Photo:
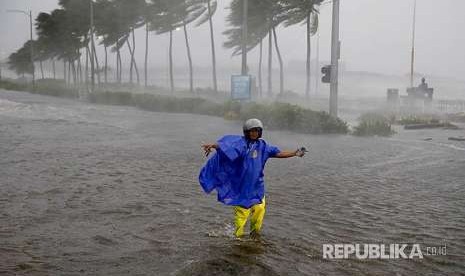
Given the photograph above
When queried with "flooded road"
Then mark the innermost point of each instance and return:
(110, 190)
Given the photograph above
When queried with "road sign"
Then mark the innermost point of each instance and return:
(241, 87)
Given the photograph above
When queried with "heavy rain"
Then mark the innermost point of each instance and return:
(232, 137)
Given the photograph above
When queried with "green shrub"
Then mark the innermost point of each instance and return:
(285, 116)
(373, 124)
(9, 85)
(57, 88)
(415, 119)
(114, 98)
(48, 87)
(282, 116)
(179, 105)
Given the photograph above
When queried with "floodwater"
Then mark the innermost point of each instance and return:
(110, 190)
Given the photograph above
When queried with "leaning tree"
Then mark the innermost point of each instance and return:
(303, 12)
(20, 61)
(263, 17)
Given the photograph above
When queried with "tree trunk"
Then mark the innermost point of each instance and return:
(64, 70)
(307, 75)
(92, 67)
(117, 66)
(133, 54)
(270, 65)
(146, 53)
(96, 63)
(69, 71)
(260, 91)
(281, 70)
(131, 68)
(41, 69)
(120, 63)
(106, 65)
(73, 69)
(87, 68)
(76, 71)
(133, 64)
(54, 69)
(171, 61)
(87, 65)
(212, 38)
(191, 73)
(80, 68)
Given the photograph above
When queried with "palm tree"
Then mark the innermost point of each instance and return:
(131, 13)
(264, 15)
(147, 19)
(20, 61)
(41, 53)
(304, 11)
(164, 21)
(211, 9)
(59, 33)
(77, 23)
(46, 28)
(193, 9)
(280, 59)
(115, 22)
(102, 13)
(109, 26)
(170, 15)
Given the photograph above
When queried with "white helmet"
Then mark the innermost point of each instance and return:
(252, 123)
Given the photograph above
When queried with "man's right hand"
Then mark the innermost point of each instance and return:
(208, 148)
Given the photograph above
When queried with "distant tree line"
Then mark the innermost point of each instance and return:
(66, 34)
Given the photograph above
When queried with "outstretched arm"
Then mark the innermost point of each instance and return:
(287, 154)
(208, 148)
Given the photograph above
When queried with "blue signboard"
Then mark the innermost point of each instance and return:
(240, 87)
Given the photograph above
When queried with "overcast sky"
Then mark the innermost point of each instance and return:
(375, 34)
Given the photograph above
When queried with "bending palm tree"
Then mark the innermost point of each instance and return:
(211, 9)
(264, 15)
(304, 11)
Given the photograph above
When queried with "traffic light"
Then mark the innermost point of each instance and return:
(326, 71)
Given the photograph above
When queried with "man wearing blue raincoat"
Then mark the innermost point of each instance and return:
(236, 173)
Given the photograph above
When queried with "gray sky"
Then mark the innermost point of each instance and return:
(375, 34)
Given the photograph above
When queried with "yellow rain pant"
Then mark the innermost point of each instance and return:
(256, 220)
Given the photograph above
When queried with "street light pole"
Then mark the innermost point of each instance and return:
(317, 71)
(29, 14)
(245, 5)
(412, 61)
(335, 54)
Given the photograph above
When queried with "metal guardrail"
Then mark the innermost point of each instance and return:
(450, 106)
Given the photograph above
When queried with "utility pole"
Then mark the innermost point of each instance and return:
(245, 4)
(32, 53)
(335, 54)
(412, 61)
(317, 70)
(92, 47)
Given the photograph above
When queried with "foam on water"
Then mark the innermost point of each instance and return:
(37, 111)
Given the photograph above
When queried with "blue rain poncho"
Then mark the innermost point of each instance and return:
(236, 170)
